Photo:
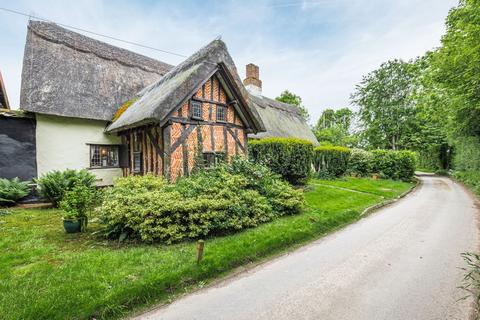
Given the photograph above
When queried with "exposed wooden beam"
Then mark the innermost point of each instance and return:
(235, 137)
(167, 151)
(182, 137)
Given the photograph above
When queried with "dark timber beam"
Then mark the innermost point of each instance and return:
(235, 137)
(182, 137)
(167, 151)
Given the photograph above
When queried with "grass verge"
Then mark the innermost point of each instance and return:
(47, 274)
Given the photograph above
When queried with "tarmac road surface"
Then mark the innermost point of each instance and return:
(401, 262)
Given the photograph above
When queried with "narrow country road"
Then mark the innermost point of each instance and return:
(401, 262)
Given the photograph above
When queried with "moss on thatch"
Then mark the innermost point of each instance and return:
(123, 108)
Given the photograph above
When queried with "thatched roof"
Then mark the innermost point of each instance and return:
(68, 74)
(3, 95)
(157, 101)
(280, 120)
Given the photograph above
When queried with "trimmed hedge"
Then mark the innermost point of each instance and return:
(331, 161)
(389, 164)
(360, 163)
(396, 165)
(289, 157)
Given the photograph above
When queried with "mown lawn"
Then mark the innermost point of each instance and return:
(47, 274)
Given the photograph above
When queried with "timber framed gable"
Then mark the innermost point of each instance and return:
(175, 146)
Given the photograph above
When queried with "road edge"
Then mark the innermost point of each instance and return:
(389, 202)
(244, 269)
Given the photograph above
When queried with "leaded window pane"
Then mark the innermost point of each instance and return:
(221, 113)
(196, 110)
(103, 156)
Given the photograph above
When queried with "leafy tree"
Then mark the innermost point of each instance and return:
(387, 111)
(329, 118)
(456, 67)
(333, 127)
(291, 98)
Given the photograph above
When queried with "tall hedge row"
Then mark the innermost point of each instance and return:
(360, 163)
(289, 157)
(397, 165)
(331, 161)
(293, 160)
(389, 164)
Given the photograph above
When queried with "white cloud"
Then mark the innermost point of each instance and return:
(317, 49)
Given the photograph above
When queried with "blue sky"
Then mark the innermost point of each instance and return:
(318, 49)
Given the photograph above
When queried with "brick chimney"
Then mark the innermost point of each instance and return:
(252, 82)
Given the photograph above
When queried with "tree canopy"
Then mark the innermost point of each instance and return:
(431, 104)
(291, 98)
(333, 127)
(386, 108)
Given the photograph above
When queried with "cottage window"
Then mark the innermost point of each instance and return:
(196, 110)
(137, 162)
(137, 154)
(103, 156)
(221, 113)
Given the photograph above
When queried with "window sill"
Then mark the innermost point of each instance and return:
(95, 168)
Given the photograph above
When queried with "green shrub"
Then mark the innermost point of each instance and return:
(289, 157)
(391, 164)
(217, 201)
(331, 161)
(469, 178)
(360, 163)
(54, 184)
(442, 172)
(12, 190)
(77, 202)
(281, 196)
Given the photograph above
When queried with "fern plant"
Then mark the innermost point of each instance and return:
(12, 190)
(53, 185)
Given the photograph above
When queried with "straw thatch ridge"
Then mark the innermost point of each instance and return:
(68, 74)
(280, 120)
(157, 101)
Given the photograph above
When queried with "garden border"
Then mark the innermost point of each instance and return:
(387, 203)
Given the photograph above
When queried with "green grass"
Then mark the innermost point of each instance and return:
(385, 188)
(47, 274)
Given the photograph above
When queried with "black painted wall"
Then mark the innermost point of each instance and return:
(17, 148)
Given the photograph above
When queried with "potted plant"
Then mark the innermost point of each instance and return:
(75, 205)
(71, 222)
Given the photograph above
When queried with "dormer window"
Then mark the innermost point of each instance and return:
(221, 114)
(196, 109)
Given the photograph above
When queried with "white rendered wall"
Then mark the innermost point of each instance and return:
(63, 143)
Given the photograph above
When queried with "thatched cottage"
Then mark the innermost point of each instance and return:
(118, 113)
